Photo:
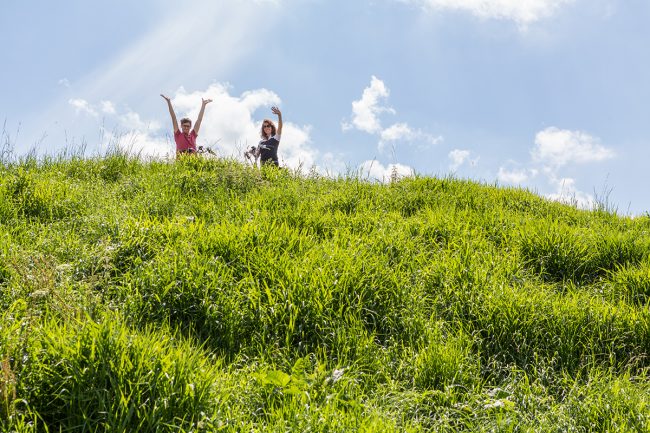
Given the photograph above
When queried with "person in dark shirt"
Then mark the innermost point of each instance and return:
(268, 147)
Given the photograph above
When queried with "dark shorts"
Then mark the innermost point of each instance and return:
(270, 161)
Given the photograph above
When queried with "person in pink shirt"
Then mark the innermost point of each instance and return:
(184, 138)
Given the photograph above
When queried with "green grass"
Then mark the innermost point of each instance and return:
(204, 295)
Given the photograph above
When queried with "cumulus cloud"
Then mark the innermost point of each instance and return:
(332, 165)
(555, 152)
(402, 132)
(515, 176)
(365, 111)
(523, 12)
(557, 147)
(398, 131)
(124, 129)
(376, 171)
(459, 157)
(365, 117)
(108, 107)
(82, 106)
(145, 143)
(566, 192)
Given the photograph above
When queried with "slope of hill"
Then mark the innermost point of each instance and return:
(208, 296)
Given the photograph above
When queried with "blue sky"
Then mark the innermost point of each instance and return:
(551, 95)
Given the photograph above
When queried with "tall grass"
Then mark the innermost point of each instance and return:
(203, 295)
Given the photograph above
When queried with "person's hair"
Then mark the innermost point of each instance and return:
(272, 129)
(186, 120)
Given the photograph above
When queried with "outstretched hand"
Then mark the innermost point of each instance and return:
(276, 111)
(166, 98)
(205, 101)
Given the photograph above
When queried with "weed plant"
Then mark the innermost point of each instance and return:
(205, 295)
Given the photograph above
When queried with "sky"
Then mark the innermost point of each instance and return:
(548, 95)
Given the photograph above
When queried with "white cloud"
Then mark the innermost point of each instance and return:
(144, 143)
(402, 132)
(333, 165)
(296, 150)
(108, 107)
(82, 106)
(374, 170)
(557, 147)
(254, 99)
(398, 131)
(457, 157)
(366, 109)
(132, 121)
(522, 12)
(365, 117)
(557, 150)
(566, 192)
(64, 82)
(124, 130)
(515, 176)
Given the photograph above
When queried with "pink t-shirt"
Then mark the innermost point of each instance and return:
(185, 143)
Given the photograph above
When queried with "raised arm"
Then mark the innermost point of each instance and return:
(277, 112)
(171, 112)
(199, 119)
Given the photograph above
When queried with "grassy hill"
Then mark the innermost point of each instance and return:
(203, 295)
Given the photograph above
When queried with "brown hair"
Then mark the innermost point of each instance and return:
(186, 120)
(267, 121)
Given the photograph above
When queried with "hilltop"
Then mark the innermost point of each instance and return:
(205, 295)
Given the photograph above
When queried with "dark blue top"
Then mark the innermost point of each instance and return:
(269, 150)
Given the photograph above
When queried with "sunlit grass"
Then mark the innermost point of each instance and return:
(204, 295)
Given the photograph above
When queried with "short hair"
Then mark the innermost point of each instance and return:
(272, 129)
(186, 120)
